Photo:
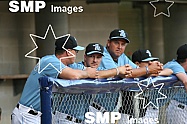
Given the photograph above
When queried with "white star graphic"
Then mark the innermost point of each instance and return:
(36, 47)
(157, 14)
(149, 81)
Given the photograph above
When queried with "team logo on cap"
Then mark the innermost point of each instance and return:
(148, 52)
(122, 33)
(97, 47)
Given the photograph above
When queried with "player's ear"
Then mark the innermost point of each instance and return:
(108, 43)
(137, 63)
(68, 52)
(84, 57)
(186, 60)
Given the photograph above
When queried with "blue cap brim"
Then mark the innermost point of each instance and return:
(78, 48)
(150, 59)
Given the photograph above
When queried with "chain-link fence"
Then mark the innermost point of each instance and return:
(112, 101)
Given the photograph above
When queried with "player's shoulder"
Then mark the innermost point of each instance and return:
(78, 65)
(172, 63)
(49, 58)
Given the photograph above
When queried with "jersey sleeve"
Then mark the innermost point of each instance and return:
(51, 66)
(175, 67)
(79, 66)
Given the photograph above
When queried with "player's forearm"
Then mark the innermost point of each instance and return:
(166, 72)
(107, 73)
(138, 72)
(73, 74)
(183, 78)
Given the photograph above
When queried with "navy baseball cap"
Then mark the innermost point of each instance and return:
(70, 43)
(143, 56)
(94, 48)
(119, 34)
(182, 52)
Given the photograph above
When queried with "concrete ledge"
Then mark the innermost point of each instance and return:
(12, 77)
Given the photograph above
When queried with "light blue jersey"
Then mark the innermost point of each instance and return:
(79, 66)
(107, 100)
(31, 92)
(181, 95)
(75, 105)
(108, 62)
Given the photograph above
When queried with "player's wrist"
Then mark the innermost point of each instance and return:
(147, 69)
(117, 71)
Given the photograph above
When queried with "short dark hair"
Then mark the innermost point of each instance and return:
(181, 60)
(67, 42)
(59, 52)
(182, 52)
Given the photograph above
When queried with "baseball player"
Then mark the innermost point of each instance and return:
(177, 109)
(114, 56)
(141, 58)
(86, 102)
(92, 58)
(27, 111)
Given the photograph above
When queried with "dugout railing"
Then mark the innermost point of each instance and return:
(66, 101)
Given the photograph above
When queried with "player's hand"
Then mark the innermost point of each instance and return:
(155, 67)
(91, 72)
(125, 70)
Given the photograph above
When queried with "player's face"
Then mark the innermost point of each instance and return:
(143, 64)
(116, 47)
(92, 60)
(73, 55)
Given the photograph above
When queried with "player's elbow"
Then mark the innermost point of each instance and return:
(69, 76)
(74, 76)
(184, 82)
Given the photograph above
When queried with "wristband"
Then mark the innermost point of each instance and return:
(147, 69)
(117, 71)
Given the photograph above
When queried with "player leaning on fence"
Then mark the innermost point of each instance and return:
(92, 58)
(177, 109)
(141, 58)
(85, 102)
(114, 56)
(28, 108)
